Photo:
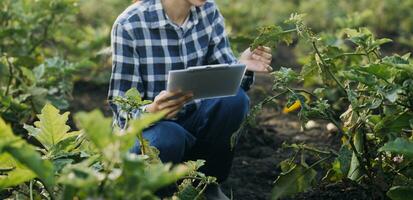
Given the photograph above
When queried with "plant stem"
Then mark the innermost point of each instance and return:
(201, 192)
(325, 66)
(31, 190)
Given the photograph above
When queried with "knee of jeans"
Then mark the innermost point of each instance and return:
(172, 141)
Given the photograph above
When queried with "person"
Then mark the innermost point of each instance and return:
(152, 37)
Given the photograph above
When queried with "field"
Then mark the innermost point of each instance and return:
(334, 120)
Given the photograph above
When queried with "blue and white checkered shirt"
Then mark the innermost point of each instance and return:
(146, 45)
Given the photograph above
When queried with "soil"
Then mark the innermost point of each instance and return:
(259, 151)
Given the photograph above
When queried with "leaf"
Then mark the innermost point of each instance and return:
(98, 129)
(284, 77)
(16, 176)
(379, 42)
(298, 179)
(134, 94)
(394, 123)
(189, 192)
(271, 36)
(25, 154)
(29, 157)
(51, 128)
(400, 193)
(344, 158)
(399, 146)
(358, 76)
(382, 71)
(136, 129)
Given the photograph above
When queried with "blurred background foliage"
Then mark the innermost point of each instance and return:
(45, 41)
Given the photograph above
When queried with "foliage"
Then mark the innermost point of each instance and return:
(92, 163)
(377, 126)
(45, 46)
(387, 18)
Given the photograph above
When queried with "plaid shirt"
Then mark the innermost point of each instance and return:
(146, 45)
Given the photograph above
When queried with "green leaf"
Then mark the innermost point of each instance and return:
(17, 175)
(357, 76)
(271, 36)
(382, 71)
(189, 192)
(298, 179)
(394, 123)
(29, 157)
(51, 128)
(98, 129)
(399, 146)
(25, 154)
(400, 193)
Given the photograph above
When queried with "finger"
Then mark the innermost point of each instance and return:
(265, 49)
(175, 102)
(268, 68)
(173, 111)
(172, 115)
(263, 54)
(260, 58)
(264, 68)
(170, 95)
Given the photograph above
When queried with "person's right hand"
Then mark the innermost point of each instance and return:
(171, 102)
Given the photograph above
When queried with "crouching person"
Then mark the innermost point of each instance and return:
(152, 37)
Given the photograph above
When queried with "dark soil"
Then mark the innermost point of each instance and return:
(259, 151)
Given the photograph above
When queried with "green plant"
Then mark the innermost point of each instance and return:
(94, 162)
(377, 126)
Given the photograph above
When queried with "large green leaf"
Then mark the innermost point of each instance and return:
(382, 71)
(400, 193)
(399, 146)
(26, 154)
(98, 128)
(298, 179)
(51, 128)
(15, 173)
(394, 123)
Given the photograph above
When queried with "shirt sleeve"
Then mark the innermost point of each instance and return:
(219, 51)
(125, 71)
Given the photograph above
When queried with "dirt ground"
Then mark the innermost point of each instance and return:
(259, 151)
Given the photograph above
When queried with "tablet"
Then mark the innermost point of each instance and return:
(207, 81)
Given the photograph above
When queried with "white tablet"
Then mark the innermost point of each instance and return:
(207, 81)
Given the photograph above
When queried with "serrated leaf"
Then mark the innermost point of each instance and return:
(51, 128)
(399, 146)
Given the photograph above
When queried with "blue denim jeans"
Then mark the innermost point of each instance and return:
(202, 134)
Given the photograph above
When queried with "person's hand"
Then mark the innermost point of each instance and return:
(258, 60)
(171, 102)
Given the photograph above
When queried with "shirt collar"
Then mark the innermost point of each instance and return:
(157, 18)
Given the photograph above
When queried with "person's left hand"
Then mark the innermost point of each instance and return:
(258, 60)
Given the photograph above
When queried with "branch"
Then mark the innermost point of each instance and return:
(325, 66)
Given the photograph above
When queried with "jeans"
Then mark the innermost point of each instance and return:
(202, 134)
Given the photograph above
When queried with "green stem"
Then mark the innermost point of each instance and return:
(31, 190)
(325, 66)
(201, 192)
